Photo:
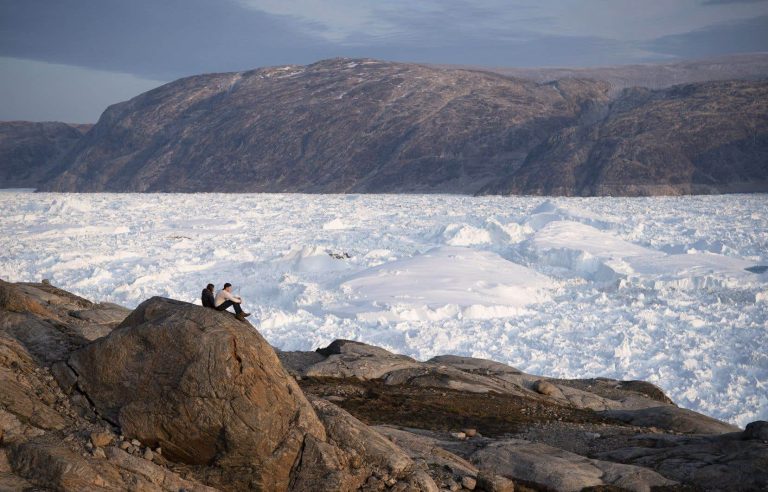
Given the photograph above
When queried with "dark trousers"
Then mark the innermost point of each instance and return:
(224, 305)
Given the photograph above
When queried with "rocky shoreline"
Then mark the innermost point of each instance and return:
(173, 396)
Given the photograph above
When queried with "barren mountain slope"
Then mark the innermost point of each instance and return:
(334, 126)
(344, 125)
(696, 138)
(28, 150)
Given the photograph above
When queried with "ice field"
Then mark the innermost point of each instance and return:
(660, 289)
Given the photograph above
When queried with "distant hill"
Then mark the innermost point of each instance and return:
(347, 125)
(752, 66)
(29, 150)
(690, 139)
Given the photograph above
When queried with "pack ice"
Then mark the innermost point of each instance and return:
(666, 289)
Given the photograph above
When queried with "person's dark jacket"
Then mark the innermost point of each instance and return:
(207, 298)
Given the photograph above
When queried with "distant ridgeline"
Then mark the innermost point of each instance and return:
(367, 126)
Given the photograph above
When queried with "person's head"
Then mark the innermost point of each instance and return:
(209, 287)
(228, 287)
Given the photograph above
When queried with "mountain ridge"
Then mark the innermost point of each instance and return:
(29, 150)
(368, 126)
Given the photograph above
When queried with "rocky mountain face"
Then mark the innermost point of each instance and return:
(334, 126)
(173, 396)
(369, 126)
(690, 139)
(29, 150)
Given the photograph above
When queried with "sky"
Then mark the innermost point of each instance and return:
(67, 60)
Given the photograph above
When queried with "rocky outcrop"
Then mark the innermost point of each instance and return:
(562, 470)
(553, 443)
(347, 359)
(350, 359)
(204, 387)
(369, 126)
(735, 461)
(177, 396)
(355, 456)
(50, 322)
(44, 420)
(674, 419)
(29, 150)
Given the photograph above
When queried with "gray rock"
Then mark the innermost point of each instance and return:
(757, 430)
(562, 470)
(349, 359)
(506, 379)
(359, 456)
(297, 362)
(672, 418)
(354, 436)
(66, 378)
(428, 449)
(101, 319)
(716, 463)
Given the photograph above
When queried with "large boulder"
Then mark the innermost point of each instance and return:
(205, 387)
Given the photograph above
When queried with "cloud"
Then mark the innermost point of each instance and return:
(732, 37)
(171, 38)
(154, 39)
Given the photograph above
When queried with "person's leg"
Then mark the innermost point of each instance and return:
(237, 307)
(224, 305)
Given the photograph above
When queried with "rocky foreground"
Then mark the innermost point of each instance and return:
(173, 396)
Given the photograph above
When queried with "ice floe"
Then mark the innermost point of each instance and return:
(665, 289)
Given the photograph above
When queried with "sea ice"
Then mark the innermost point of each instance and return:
(662, 289)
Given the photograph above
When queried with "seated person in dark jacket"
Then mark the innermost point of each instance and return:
(207, 297)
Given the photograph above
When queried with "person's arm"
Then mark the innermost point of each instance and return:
(229, 297)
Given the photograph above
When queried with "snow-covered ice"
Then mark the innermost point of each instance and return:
(643, 288)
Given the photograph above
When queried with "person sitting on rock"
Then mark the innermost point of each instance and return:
(224, 299)
(207, 297)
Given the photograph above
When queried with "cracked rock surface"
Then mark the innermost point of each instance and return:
(173, 396)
